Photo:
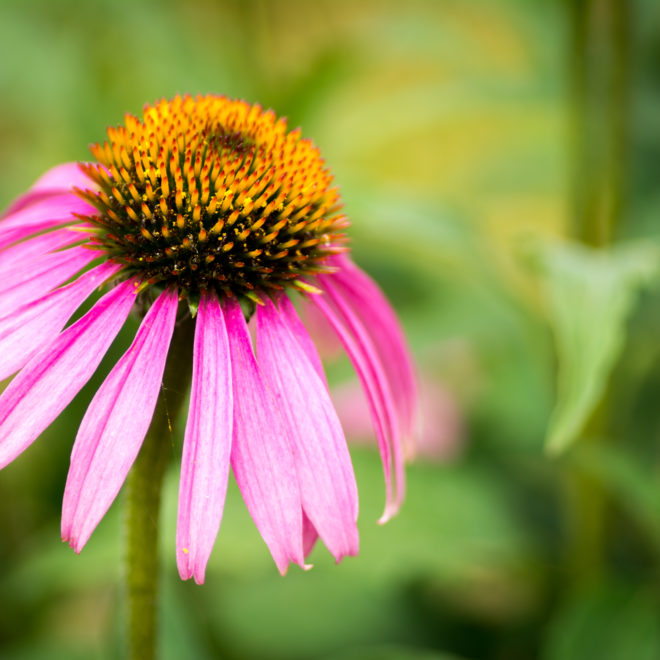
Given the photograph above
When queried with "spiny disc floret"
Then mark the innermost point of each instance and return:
(210, 193)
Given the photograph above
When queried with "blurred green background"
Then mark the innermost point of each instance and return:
(488, 153)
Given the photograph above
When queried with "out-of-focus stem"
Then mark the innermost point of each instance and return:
(600, 64)
(599, 68)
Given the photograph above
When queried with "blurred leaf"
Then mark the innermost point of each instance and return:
(434, 240)
(589, 295)
(179, 633)
(40, 650)
(609, 622)
(629, 480)
(391, 653)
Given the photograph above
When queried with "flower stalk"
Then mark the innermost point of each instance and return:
(143, 493)
(600, 65)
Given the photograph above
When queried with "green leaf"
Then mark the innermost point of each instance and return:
(629, 480)
(611, 621)
(589, 295)
(391, 652)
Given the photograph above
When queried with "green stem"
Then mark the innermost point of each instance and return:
(143, 489)
(599, 71)
(587, 507)
(600, 65)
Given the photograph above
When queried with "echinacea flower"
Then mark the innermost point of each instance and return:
(205, 207)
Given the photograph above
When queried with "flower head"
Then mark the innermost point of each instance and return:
(213, 194)
(210, 207)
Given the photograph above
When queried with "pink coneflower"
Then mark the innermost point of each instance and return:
(205, 207)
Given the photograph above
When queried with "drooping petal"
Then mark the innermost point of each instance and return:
(325, 473)
(59, 179)
(261, 454)
(302, 336)
(365, 344)
(47, 384)
(44, 214)
(207, 443)
(115, 424)
(359, 349)
(24, 331)
(370, 305)
(42, 276)
(19, 255)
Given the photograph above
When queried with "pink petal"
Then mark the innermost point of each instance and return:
(358, 346)
(115, 424)
(261, 455)
(364, 342)
(24, 331)
(370, 305)
(47, 384)
(310, 535)
(62, 177)
(36, 267)
(207, 443)
(325, 473)
(21, 254)
(59, 179)
(55, 209)
(302, 336)
(43, 275)
(45, 214)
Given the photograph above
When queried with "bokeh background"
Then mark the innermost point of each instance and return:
(499, 162)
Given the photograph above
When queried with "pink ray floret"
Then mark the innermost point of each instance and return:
(44, 214)
(58, 180)
(207, 443)
(118, 416)
(262, 453)
(50, 271)
(321, 458)
(50, 380)
(24, 331)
